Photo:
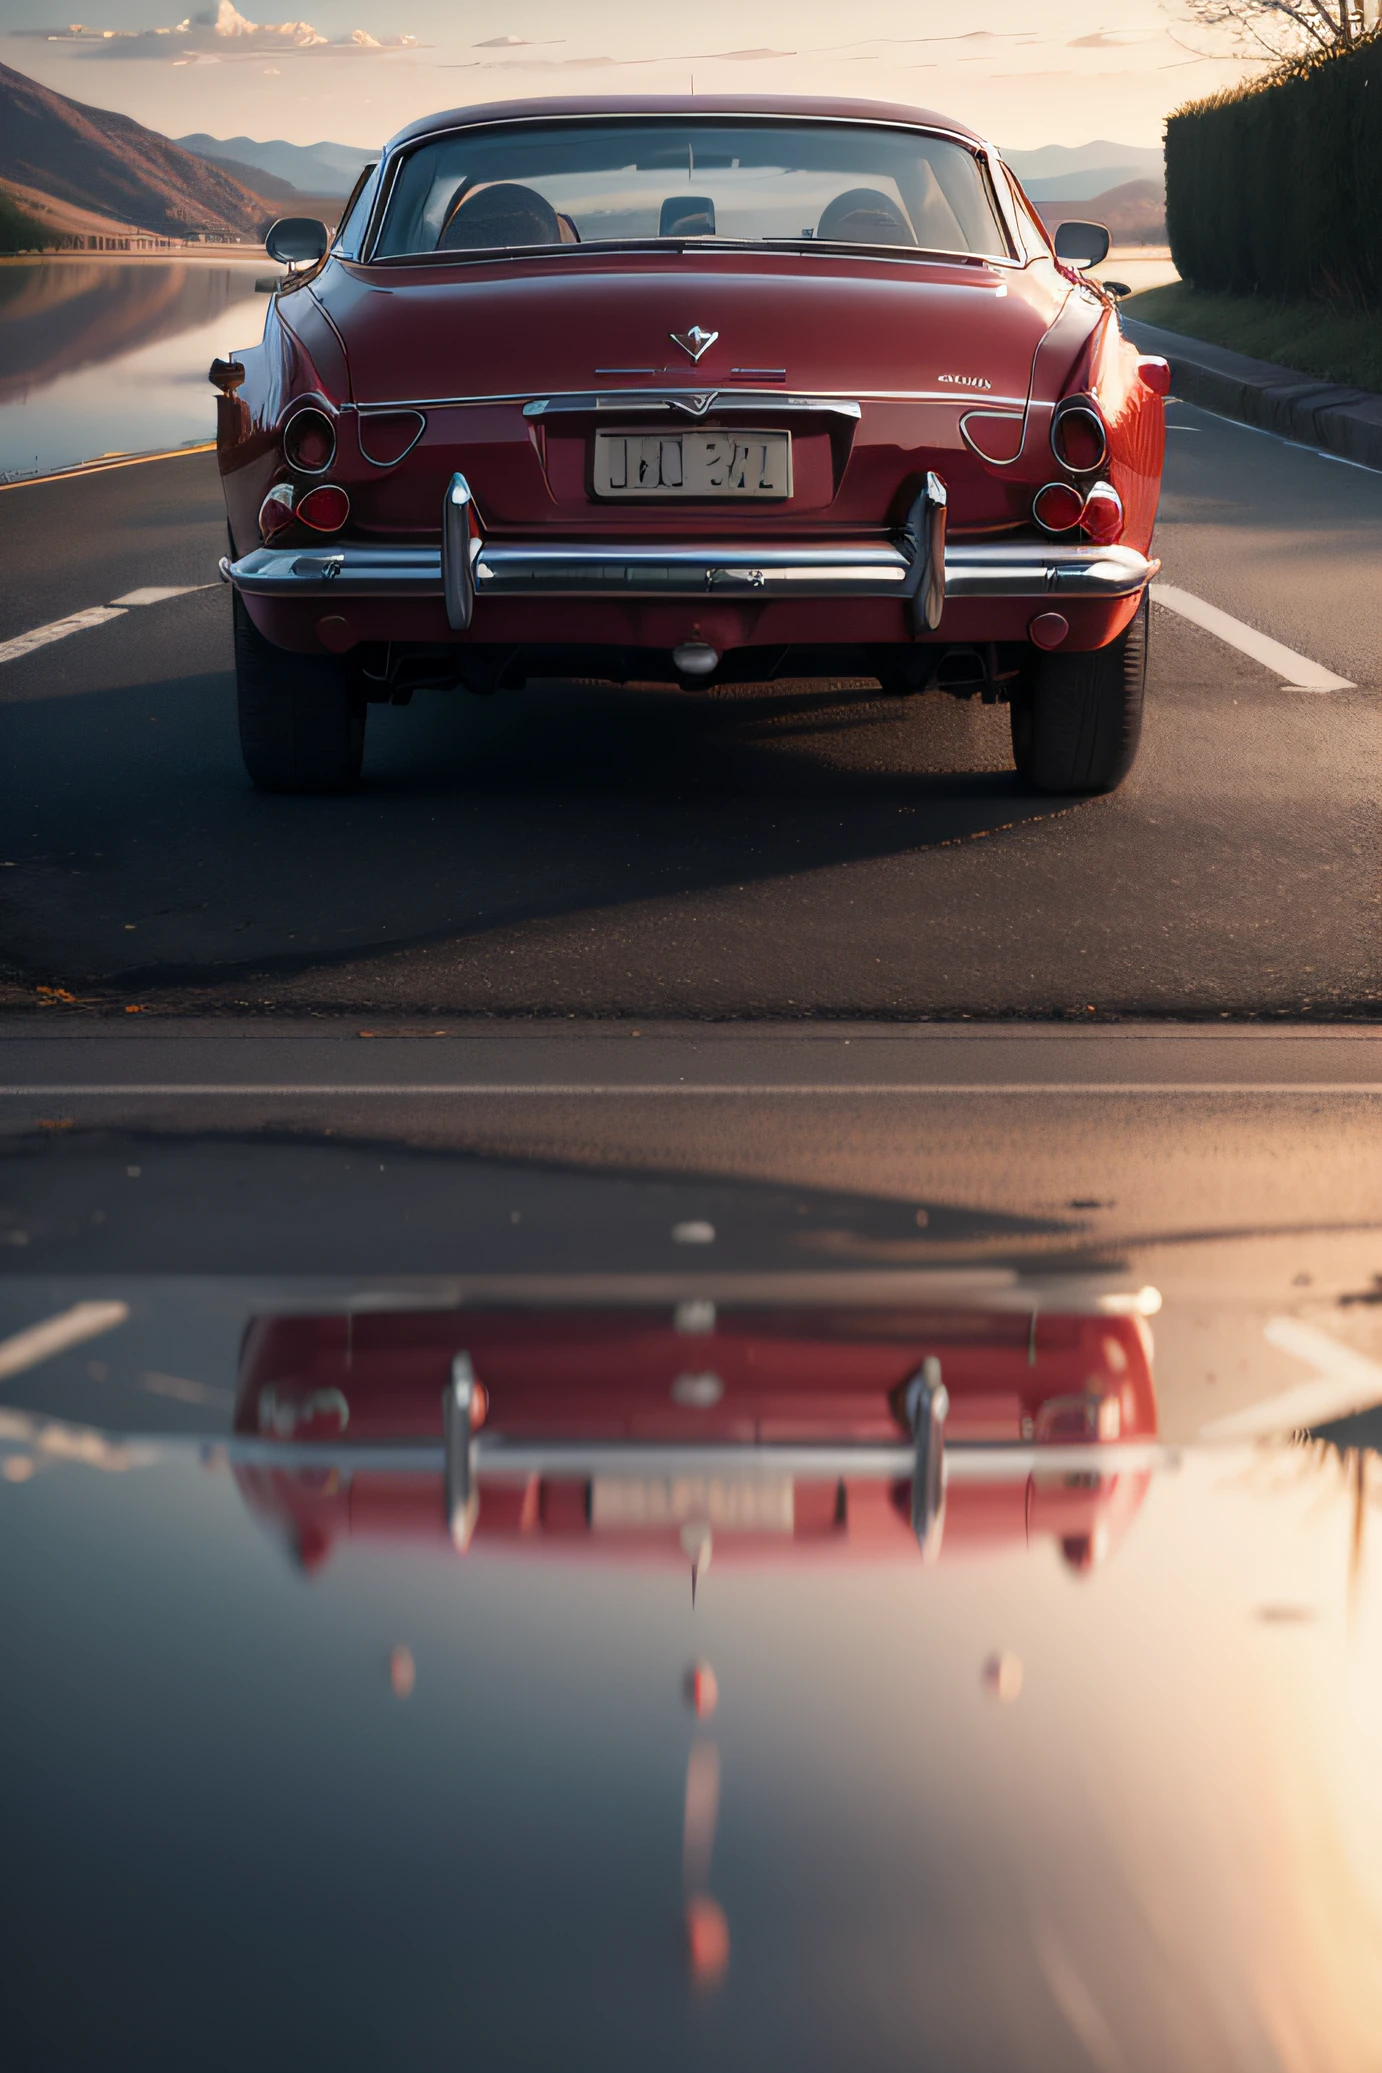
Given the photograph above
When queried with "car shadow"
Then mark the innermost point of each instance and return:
(147, 859)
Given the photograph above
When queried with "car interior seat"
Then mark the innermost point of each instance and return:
(864, 216)
(502, 213)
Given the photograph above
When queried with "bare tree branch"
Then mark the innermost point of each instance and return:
(1282, 29)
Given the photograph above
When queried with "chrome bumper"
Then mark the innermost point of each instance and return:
(1027, 571)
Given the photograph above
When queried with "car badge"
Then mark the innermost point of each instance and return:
(695, 341)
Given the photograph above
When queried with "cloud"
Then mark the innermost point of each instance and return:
(207, 38)
(517, 43)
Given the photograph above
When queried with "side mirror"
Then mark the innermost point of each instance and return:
(1081, 244)
(302, 240)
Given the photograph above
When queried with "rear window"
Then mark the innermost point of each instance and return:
(567, 184)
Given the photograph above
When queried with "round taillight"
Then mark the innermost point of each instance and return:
(1078, 438)
(325, 508)
(1057, 507)
(309, 441)
(1103, 514)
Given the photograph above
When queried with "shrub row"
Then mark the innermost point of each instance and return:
(1276, 188)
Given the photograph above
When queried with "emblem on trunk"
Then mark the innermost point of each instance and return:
(695, 341)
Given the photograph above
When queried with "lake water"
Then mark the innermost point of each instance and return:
(102, 356)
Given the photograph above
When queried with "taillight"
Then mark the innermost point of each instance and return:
(1058, 507)
(1078, 438)
(276, 511)
(325, 508)
(1155, 374)
(309, 441)
(1103, 514)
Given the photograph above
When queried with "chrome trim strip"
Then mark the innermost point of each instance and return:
(563, 571)
(955, 396)
(696, 403)
(966, 1461)
(1030, 569)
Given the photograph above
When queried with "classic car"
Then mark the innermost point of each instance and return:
(690, 391)
(659, 1434)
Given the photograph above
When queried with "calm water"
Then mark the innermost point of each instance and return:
(109, 355)
(304, 1780)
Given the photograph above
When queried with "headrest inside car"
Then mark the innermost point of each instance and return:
(864, 216)
(687, 216)
(500, 214)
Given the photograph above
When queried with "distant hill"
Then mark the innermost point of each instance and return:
(319, 169)
(1062, 161)
(92, 159)
(1072, 187)
(1134, 213)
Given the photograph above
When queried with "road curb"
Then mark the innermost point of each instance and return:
(1344, 421)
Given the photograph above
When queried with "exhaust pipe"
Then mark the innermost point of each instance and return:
(695, 658)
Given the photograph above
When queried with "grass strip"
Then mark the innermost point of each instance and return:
(1311, 337)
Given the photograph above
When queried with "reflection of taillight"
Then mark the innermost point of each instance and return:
(276, 511)
(1103, 514)
(309, 441)
(325, 508)
(1091, 1416)
(1057, 507)
(1078, 438)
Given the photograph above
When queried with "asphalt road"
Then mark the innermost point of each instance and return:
(813, 851)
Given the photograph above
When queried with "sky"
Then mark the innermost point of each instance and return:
(1023, 72)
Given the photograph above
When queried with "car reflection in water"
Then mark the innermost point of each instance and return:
(657, 1436)
(668, 1435)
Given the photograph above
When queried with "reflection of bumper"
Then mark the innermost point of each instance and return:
(1001, 569)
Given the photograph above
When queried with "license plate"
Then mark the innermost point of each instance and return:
(693, 464)
(758, 1504)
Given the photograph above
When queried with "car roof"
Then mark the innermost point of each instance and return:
(807, 106)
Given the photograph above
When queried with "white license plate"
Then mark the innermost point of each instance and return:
(758, 1504)
(693, 464)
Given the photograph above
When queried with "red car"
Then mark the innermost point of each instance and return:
(659, 1434)
(691, 391)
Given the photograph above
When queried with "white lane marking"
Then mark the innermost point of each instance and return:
(155, 593)
(41, 1341)
(621, 1090)
(95, 615)
(1343, 1381)
(1264, 432)
(1298, 671)
(58, 630)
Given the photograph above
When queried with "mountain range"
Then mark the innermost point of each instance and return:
(305, 168)
(92, 160)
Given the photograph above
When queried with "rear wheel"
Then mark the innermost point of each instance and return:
(1077, 719)
(302, 724)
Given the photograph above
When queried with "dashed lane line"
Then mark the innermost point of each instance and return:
(1298, 672)
(94, 615)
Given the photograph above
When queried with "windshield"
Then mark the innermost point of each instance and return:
(578, 183)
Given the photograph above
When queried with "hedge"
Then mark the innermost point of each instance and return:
(1276, 188)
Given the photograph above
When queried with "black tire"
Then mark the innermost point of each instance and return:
(1077, 719)
(302, 723)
